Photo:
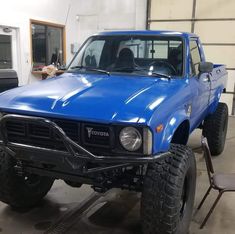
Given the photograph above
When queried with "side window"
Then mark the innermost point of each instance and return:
(92, 54)
(48, 45)
(195, 57)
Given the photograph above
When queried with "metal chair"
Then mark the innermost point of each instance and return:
(219, 181)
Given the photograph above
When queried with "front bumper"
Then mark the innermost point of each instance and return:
(75, 158)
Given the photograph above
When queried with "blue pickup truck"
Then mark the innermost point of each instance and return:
(119, 117)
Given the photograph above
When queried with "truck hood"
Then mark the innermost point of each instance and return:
(90, 97)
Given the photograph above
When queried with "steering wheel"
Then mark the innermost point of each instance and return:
(164, 64)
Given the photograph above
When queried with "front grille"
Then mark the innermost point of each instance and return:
(96, 135)
(35, 130)
(20, 131)
(16, 128)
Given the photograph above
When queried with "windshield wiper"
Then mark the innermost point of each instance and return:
(92, 69)
(159, 74)
(117, 69)
(153, 73)
(150, 73)
(98, 70)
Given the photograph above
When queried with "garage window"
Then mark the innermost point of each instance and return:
(47, 44)
(5, 52)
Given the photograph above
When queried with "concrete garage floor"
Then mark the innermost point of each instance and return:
(70, 210)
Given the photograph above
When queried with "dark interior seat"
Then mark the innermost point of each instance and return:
(173, 57)
(125, 59)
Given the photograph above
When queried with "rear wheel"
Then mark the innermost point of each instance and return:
(168, 193)
(215, 129)
(20, 191)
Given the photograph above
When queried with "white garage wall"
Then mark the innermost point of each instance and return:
(212, 20)
(92, 16)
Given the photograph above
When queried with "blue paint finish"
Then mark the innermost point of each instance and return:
(124, 99)
(172, 124)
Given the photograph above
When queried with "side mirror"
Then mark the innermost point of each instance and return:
(205, 67)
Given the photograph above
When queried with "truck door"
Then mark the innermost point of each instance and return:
(200, 85)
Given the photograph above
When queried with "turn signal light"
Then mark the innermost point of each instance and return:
(159, 128)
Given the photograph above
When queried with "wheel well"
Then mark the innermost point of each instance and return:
(181, 134)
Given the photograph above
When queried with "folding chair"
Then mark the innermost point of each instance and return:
(219, 181)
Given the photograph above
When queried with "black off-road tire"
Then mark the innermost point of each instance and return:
(20, 191)
(168, 193)
(215, 129)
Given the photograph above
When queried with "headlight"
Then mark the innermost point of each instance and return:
(130, 138)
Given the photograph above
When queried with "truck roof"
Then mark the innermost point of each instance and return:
(149, 32)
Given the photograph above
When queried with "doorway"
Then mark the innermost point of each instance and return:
(8, 48)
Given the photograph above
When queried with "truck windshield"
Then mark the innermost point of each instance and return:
(143, 55)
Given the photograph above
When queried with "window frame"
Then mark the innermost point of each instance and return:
(48, 24)
(184, 47)
(192, 66)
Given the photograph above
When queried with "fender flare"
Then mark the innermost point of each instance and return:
(163, 140)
